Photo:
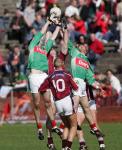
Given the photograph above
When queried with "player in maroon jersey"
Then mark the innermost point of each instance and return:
(51, 57)
(61, 84)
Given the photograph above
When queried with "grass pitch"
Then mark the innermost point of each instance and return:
(23, 137)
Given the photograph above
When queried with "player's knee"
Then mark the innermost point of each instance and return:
(74, 125)
(47, 104)
(37, 105)
(86, 109)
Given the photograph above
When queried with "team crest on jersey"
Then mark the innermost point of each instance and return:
(39, 50)
(82, 63)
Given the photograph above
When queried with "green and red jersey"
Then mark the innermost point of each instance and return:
(38, 55)
(80, 66)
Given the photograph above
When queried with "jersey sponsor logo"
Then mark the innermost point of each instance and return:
(82, 63)
(38, 50)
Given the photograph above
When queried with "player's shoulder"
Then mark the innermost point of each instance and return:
(67, 73)
(54, 73)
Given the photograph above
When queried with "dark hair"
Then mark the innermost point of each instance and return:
(30, 2)
(16, 46)
(60, 64)
(110, 71)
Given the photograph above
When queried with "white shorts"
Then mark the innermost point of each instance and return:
(35, 81)
(65, 106)
(92, 106)
(81, 87)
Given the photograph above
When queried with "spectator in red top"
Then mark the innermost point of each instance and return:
(79, 25)
(96, 49)
(102, 23)
(76, 27)
(96, 45)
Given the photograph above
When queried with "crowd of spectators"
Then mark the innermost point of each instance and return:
(111, 85)
(94, 22)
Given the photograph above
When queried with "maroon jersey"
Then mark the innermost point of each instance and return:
(61, 84)
(51, 61)
(50, 64)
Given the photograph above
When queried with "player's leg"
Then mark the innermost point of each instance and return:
(76, 99)
(80, 119)
(65, 131)
(5, 113)
(85, 105)
(94, 114)
(61, 127)
(93, 109)
(65, 111)
(50, 143)
(80, 135)
(35, 80)
(72, 119)
(83, 101)
(93, 126)
(99, 137)
(50, 113)
(36, 109)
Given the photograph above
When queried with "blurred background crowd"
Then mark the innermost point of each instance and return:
(98, 23)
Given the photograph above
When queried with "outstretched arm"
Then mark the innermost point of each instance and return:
(50, 41)
(55, 33)
(38, 36)
(44, 28)
(64, 48)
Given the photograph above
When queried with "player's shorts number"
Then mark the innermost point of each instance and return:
(59, 85)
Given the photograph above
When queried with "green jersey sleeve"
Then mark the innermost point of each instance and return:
(90, 76)
(35, 40)
(49, 45)
(73, 51)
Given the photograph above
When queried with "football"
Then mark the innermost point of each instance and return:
(56, 11)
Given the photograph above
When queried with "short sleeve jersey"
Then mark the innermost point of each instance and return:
(61, 84)
(38, 55)
(80, 66)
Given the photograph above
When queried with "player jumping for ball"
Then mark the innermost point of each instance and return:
(38, 65)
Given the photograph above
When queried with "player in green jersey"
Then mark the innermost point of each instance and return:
(82, 72)
(38, 65)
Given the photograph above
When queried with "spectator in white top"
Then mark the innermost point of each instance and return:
(72, 9)
(115, 83)
(29, 13)
(29, 18)
(119, 15)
